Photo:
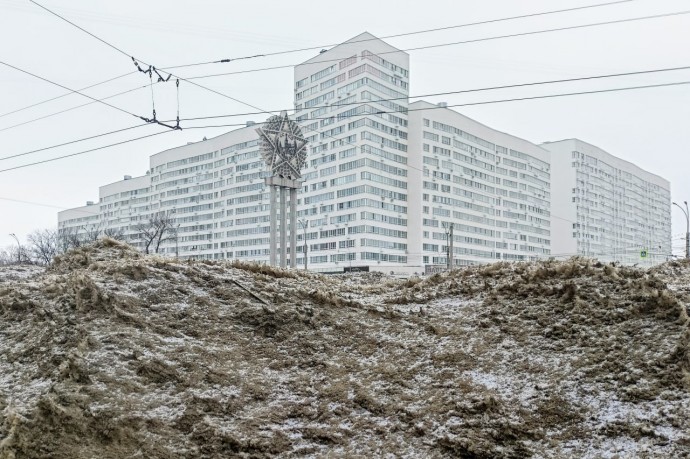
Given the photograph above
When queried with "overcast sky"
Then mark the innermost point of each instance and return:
(650, 127)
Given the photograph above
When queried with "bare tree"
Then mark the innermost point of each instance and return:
(156, 230)
(43, 246)
(14, 255)
(91, 233)
(115, 233)
(6, 257)
(69, 238)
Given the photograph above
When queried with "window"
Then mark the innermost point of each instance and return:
(322, 73)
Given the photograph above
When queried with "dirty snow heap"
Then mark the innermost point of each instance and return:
(112, 354)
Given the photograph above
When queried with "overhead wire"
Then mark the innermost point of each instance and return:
(139, 60)
(467, 104)
(364, 115)
(489, 21)
(408, 33)
(425, 47)
(455, 43)
(68, 89)
(82, 152)
(417, 48)
(490, 88)
(71, 142)
(464, 91)
(46, 205)
(404, 34)
(65, 94)
(33, 120)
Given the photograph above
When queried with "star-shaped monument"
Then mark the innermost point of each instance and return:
(283, 146)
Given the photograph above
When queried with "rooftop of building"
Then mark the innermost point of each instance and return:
(476, 124)
(588, 146)
(361, 38)
(216, 142)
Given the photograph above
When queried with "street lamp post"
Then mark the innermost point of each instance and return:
(687, 227)
(448, 228)
(19, 248)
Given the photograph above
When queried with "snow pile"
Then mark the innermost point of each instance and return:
(112, 354)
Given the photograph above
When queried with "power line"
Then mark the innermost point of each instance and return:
(467, 104)
(566, 80)
(549, 96)
(439, 45)
(80, 28)
(70, 109)
(83, 152)
(139, 60)
(418, 48)
(66, 94)
(557, 29)
(68, 89)
(46, 205)
(319, 47)
(70, 142)
(360, 116)
(490, 88)
(341, 105)
(437, 29)
(427, 47)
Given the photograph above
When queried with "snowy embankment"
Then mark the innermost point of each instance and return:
(112, 354)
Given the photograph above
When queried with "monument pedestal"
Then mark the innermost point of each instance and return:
(283, 184)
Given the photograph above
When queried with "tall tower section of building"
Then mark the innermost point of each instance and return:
(351, 102)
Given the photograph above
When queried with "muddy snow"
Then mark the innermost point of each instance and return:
(112, 354)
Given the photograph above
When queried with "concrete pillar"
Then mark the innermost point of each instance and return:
(274, 226)
(283, 227)
(293, 228)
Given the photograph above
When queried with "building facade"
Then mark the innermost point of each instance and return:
(352, 103)
(211, 192)
(608, 208)
(384, 182)
(492, 187)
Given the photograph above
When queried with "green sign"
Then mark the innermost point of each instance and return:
(643, 253)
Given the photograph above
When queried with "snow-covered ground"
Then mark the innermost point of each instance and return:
(112, 354)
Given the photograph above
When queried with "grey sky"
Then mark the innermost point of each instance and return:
(649, 127)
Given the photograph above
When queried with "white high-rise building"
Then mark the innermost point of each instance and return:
(352, 103)
(492, 187)
(384, 182)
(609, 208)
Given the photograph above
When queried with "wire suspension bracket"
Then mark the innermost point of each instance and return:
(150, 71)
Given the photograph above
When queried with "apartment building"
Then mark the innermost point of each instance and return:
(212, 191)
(354, 200)
(352, 103)
(80, 220)
(492, 187)
(608, 208)
(383, 183)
